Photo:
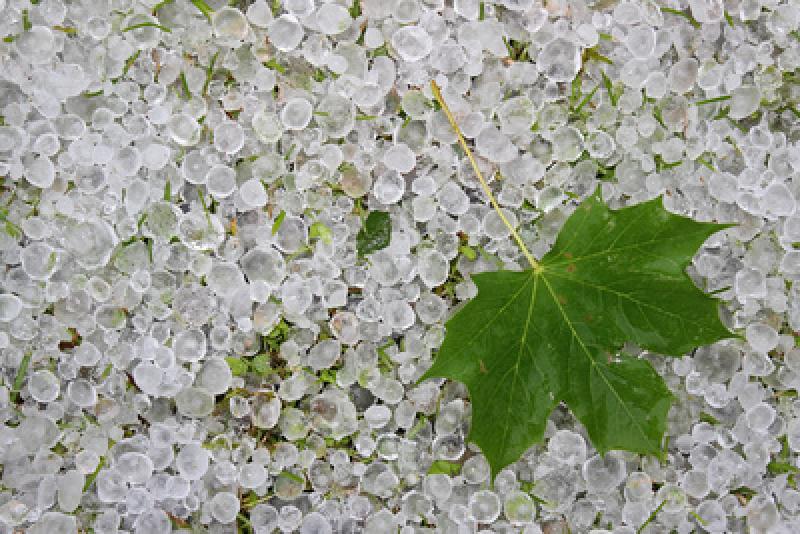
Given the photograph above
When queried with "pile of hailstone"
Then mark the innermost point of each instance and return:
(191, 342)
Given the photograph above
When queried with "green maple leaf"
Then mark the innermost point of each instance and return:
(531, 339)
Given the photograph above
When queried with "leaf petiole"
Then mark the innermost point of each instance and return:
(461, 141)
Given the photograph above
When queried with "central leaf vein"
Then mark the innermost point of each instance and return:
(592, 362)
(641, 245)
(618, 294)
(497, 315)
(522, 347)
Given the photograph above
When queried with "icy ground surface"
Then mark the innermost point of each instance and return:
(190, 342)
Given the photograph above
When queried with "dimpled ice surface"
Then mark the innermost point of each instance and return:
(285, 32)
(228, 137)
(183, 129)
(296, 114)
(412, 43)
(220, 181)
(333, 18)
(229, 22)
(41, 172)
(559, 60)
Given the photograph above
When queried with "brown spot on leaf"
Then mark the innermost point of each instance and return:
(562, 299)
(482, 365)
(571, 268)
(568, 255)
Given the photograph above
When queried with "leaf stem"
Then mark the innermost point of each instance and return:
(652, 517)
(209, 73)
(161, 4)
(204, 8)
(19, 378)
(712, 100)
(146, 25)
(129, 63)
(438, 95)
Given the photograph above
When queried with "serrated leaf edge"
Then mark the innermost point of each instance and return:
(706, 230)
